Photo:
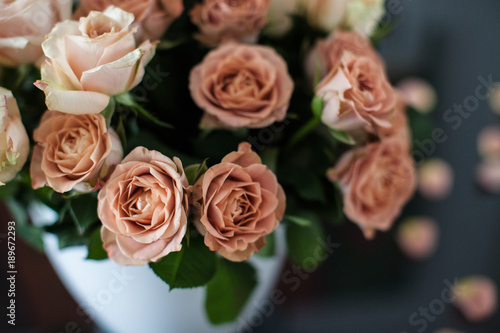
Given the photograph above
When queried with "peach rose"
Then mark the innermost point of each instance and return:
(435, 179)
(241, 86)
(23, 23)
(143, 208)
(153, 16)
(91, 60)
(376, 181)
(240, 202)
(327, 53)
(356, 95)
(14, 141)
(222, 20)
(73, 151)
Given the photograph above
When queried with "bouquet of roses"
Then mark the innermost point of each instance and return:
(181, 134)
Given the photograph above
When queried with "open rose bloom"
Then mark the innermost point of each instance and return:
(240, 202)
(376, 180)
(73, 151)
(143, 208)
(23, 24)
(91, 60)
(241, 86)
(14, 141)
(152, 16)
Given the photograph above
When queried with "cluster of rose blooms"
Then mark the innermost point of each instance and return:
(145, 199)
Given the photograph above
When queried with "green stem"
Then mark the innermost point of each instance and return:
(303, 132)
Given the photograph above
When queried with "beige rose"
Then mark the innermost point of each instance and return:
(240, 202)
(376, 181)
(143, 208)
(327, 53)
(356, 95)
(221, 20)
(23, 23)
(73, 151)
(279, 17)
(152, 16)
(91, 60)
(359, 15)
(14, 141)
(241, 86)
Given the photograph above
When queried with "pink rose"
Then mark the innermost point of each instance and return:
(376, 181)
(240, 202)
(222, 20)
(356, 95)
(14, 141)
(418, 237)
(73, 151)
(327, 53)
(152, 16)
(91, 60)
(23, 23)
(143, 208)
(241, 86)
(435, 179)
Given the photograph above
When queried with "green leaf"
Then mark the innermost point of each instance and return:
(317, 106)
(338, 216)
(84, 211)
(127, 100)
(192, 266)
(108, 112)
(304, 243)
(268, 249)
(229, 290)
(342, 137)
(95, 247)
(195, 171)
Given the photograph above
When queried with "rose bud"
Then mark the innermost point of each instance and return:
(223, 20)
(23, 25)
(476, 297)
(239, 202)
(435, 179)
(376, 181)
(73, 152)
(241, 86)
(489, 142)
(143, 208)
(418, 237)
(153, 17)
(418, 94)
(91, 60)
(14, 141)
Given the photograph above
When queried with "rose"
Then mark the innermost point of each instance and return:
(152, 16)
(91, 60)
(241, 86)
(399, 128)
(73, 151)
(14, 141)
(376, 181)
(239, 202)
(23, 23)
(364, 15)
(143, 208)
(327, 53)
(360, 15)
(356, 95)
(221, 20)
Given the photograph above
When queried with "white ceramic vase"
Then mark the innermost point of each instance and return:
(133, 299)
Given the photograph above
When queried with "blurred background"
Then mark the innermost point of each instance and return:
(368, 286)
